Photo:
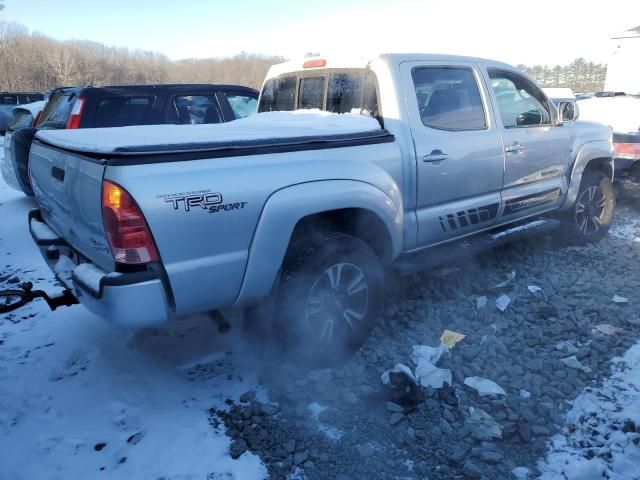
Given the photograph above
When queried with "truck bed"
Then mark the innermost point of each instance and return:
(270, 131)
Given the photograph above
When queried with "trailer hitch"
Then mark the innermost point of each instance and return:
(13, 299)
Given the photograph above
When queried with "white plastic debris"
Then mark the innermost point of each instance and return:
(619, 299)
(430, 376)
(534, 288)
(510, 278)
(427, 374)
(525, 393)
(573, 362)
(481, 302)
(607, 329)
(502, 302)
(484, 386)
(428, 354)
(401, 369)
(484, 424)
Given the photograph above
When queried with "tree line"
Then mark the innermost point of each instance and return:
(34, 62)
(31, 61)
(579, 75)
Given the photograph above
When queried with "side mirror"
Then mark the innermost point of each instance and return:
(568, 111)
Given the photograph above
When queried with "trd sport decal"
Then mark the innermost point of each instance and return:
(205, 199)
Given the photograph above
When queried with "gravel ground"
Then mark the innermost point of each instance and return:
(343, 423)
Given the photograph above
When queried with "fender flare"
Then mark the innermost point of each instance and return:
(589, 151)
(287, 206)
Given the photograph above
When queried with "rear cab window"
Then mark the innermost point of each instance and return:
(122, 111)
(333, 90)
(56, 113)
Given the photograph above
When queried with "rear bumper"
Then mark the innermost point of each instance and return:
(133, 300)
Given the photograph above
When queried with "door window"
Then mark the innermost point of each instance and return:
(521, 103)
(449, 98)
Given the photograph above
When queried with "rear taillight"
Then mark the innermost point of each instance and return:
(76, 113)
(129, 237)
(628, 151)
(35, 120)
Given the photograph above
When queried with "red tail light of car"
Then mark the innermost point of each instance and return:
(628, 151)
(129, 236)
(76, 113)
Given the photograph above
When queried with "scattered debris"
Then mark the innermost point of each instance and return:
(428, 354)
(449, 338)
(431, 376)
(607, 329)
(502, 302)
(394, 376)
(619, 299)
(524, 393)
(483, 425)
(573, 362)
(521, 473)
(481, 302)
(484, 386)
(534, 289)
(510, 278)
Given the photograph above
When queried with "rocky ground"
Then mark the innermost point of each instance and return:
(344, 423)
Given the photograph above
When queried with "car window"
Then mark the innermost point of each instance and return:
(278, 94)
(449, 98)
(197, 109)
(242, 105)
(8, 100)
(21, 119)
(349, 91)
(311, 93)
(122, 111)
(521, 103)
(56, 112)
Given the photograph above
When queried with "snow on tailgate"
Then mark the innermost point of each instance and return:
(262, 126)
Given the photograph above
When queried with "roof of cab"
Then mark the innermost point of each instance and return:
(159, 88)
(364, 62)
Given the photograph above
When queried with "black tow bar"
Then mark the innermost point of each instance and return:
(11, 300)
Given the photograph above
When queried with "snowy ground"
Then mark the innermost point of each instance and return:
(80, 398)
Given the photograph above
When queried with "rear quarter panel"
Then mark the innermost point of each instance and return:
(204, 245)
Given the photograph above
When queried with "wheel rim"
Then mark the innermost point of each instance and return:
(337, 302)
(590, 210)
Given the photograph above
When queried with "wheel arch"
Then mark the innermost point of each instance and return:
(348, 206)
(593, 156)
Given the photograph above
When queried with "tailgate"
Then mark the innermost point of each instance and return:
(68, 188)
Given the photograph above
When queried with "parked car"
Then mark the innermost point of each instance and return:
(622, 113)
(117, 106)
(13, 172)
(8, 100)
(294, 216)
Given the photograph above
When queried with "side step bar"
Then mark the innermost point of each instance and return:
(428, 258)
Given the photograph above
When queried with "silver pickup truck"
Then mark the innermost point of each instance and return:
(409, 161)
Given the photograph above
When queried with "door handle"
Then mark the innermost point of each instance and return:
(435, 156)
(515, 148)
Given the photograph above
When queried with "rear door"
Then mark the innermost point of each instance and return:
(536, 149)
(459, 152)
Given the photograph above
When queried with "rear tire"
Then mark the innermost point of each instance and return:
(330, 296)
(589, 219)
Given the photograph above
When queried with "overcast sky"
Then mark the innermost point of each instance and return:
(535, 32)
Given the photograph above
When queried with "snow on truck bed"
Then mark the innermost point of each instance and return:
(299, 124)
